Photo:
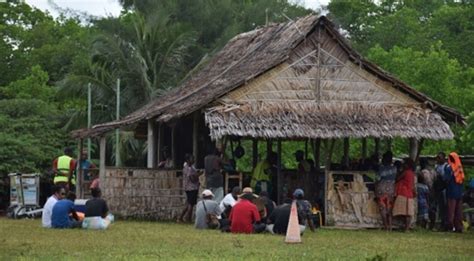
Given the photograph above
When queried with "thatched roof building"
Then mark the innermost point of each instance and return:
(299, 79)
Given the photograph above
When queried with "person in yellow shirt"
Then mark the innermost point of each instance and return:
(262, 174)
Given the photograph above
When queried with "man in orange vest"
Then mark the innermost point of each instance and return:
(64, 170)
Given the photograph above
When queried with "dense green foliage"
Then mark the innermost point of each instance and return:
(47, 63)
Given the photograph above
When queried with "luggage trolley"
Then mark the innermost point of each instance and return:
(24, 195)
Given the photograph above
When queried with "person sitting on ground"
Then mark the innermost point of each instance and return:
(64, 215)
(58, 194)
(280, 217)
(244, 216)
(204, 207)
(97, 214)
(304, 210)
(268, 204)
(404, 205)
(423, 194)
(229, 201)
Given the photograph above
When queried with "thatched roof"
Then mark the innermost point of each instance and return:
(244, 58)
(325, 120)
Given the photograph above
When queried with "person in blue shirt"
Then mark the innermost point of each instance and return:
(86, 165)
(454, 192)
(64, 215)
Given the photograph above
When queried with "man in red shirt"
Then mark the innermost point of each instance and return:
(244, 216)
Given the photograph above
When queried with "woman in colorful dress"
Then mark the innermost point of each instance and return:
(404, 189)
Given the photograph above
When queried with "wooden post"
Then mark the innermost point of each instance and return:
(159, 146)
(388, 144)
(269, 148)
(377, 146)
(151, 145)
(306, 149)
(364, 148)
(346, 152)
(173, 144)
(420, 147)
(80, 172)
(317, 154)
(327, 166)
(413, 148)
(103, 143)
(279, 173)
(254, 153)
(196, 135)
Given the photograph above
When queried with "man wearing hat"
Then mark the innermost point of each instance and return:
(206, 206)
(244, 216)
(304, 209)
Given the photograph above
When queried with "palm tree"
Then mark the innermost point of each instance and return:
(146, 51)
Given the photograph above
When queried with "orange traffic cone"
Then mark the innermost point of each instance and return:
(293, 232)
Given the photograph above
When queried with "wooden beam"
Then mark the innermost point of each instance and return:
(388, 144)
(413, 148)
(159, 146)
(377, 146)
(173, 144)
(327, 166)
(317, 153)
(151, 145)
(254, 153)
(103, 143)
(80, 171)
(269, 147)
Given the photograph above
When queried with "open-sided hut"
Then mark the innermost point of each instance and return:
(296, 80)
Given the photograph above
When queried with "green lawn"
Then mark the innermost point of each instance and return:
(25, 239)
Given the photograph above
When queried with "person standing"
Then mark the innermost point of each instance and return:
(404, 203)
(86, 165)
(64, 170)
(58, 194)
(454, 177)
(385, 189)
(191, 187)
(440, 204)
(214, 177)
(423, 195)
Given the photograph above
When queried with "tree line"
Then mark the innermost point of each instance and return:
(152, 46)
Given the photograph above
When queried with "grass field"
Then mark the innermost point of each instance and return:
(26, 240)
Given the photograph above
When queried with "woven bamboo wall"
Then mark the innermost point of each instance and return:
(143, 193)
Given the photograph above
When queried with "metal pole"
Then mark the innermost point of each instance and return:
(117, 131)
(89, 119)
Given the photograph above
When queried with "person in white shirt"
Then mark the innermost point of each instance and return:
(229, 201)
(58, 194)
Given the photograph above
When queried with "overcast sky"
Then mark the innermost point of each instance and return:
(110, 7)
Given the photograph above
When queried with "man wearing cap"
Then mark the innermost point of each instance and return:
(304, 209)
(206, 206)
(244, 216)
(64, 170)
